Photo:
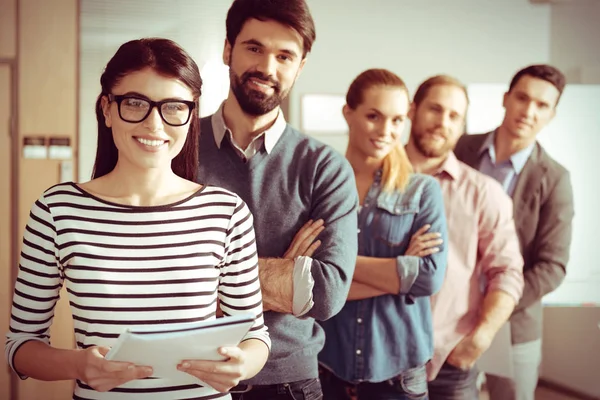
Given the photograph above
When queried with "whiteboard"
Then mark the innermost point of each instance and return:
(573, 139)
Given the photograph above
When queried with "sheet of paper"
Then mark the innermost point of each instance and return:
(498, 359)
(163, 350)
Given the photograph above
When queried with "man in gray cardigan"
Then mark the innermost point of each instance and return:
(291, 183)
(543, 209)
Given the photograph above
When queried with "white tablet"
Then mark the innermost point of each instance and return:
(163, 349)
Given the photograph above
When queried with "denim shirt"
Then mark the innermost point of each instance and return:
(379, 338)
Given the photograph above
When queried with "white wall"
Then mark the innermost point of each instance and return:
(473, 40)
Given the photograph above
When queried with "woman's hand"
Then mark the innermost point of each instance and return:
(221, 375)
(423, 244)
(103, 375)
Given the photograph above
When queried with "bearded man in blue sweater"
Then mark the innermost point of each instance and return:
(297, 188)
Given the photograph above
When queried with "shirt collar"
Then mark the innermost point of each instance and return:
(271, 135)
(450, 166)
(518, 160)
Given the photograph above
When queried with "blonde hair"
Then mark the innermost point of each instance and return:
(396, 165)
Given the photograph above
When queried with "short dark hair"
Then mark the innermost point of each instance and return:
(167, 58)
(542, 71)
(292, 13)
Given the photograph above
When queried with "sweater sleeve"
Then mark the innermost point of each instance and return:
(335, 200)
(239, 286)
(38, 284)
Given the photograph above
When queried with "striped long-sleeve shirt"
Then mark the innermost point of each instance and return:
(127, 267)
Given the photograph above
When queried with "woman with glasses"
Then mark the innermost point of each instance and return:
(140, 245)
(378, 345)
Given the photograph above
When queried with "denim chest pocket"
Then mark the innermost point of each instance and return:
(393, 222)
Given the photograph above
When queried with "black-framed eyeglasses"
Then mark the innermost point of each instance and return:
(136, 109)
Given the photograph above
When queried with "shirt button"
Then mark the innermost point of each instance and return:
(359, 320)
(358, 230)
(358, 352)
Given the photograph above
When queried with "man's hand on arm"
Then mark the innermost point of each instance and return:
(276, 283)
(497, 308)
(304, 242)
(277, 274)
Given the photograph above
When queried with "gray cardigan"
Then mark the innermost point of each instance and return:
(300, 179)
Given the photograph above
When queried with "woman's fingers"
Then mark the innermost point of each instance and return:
(427, 252)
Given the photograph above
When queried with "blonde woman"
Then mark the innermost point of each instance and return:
(378, 345)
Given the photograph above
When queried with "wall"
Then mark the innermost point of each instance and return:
(574, 35)
(474, 40)
(571, 348)
(571, 334)
(8, 41)
(38, 96)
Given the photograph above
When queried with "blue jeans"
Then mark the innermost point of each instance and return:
(453, 383)
(411, 385)
(309, 389)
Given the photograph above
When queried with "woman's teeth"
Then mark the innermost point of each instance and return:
(148, 142)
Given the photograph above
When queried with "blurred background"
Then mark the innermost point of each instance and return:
(52, 53)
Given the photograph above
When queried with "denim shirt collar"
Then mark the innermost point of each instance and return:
(385, 200)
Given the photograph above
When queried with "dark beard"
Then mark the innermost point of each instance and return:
(254, 102)
(427, 151)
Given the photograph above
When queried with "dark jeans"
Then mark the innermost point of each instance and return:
(453, 383)
(411, 385)
(309, 389)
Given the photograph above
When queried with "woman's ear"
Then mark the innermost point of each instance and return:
(105, 104)
(347, 111)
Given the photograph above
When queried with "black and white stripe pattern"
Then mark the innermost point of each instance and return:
(126, 267)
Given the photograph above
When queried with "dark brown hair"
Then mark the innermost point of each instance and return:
(542, 71)
(292, 13)
(396, 165)
(167, 58)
